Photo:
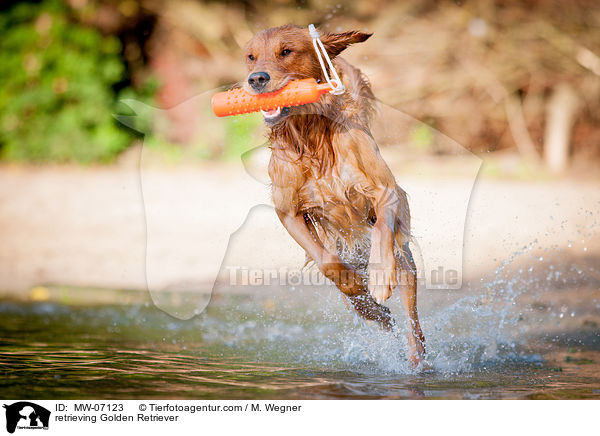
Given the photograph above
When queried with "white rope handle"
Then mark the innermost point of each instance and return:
(336, 83)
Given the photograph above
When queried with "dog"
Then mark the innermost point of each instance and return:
(331, 189)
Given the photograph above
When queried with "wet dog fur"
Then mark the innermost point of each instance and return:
(332, 190)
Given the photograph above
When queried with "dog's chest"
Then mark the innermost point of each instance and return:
(319, 190)
(332, 195)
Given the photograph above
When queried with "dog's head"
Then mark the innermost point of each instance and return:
(280, 54)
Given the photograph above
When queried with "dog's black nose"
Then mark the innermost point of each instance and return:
(258, 80)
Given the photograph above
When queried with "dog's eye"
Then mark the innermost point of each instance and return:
(285, 52)
(251, 57)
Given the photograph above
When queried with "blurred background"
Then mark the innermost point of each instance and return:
(517, 83)
(496, 76)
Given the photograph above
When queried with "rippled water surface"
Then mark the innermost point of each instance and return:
(288, 344)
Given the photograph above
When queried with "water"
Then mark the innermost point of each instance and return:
(501, 340)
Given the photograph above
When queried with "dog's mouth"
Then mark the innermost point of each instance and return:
(273, 116)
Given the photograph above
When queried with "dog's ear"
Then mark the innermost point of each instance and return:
(335, 43)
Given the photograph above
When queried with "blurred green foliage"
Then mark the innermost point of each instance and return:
(239, 132)
(422, 137)
(58, 87)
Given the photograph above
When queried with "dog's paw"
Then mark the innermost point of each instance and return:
(382, 281)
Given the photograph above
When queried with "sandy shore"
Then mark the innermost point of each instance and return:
(92, 227)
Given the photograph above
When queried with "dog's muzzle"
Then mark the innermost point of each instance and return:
(275, 115)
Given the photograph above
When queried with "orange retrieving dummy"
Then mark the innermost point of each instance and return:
(295, 93)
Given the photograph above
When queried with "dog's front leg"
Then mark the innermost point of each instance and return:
(344, 277)
(382, 261)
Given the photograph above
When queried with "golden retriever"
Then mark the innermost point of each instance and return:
(332, 190)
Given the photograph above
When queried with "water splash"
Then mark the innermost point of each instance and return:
(477, 329)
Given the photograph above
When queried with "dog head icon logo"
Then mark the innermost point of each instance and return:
(26, 415)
